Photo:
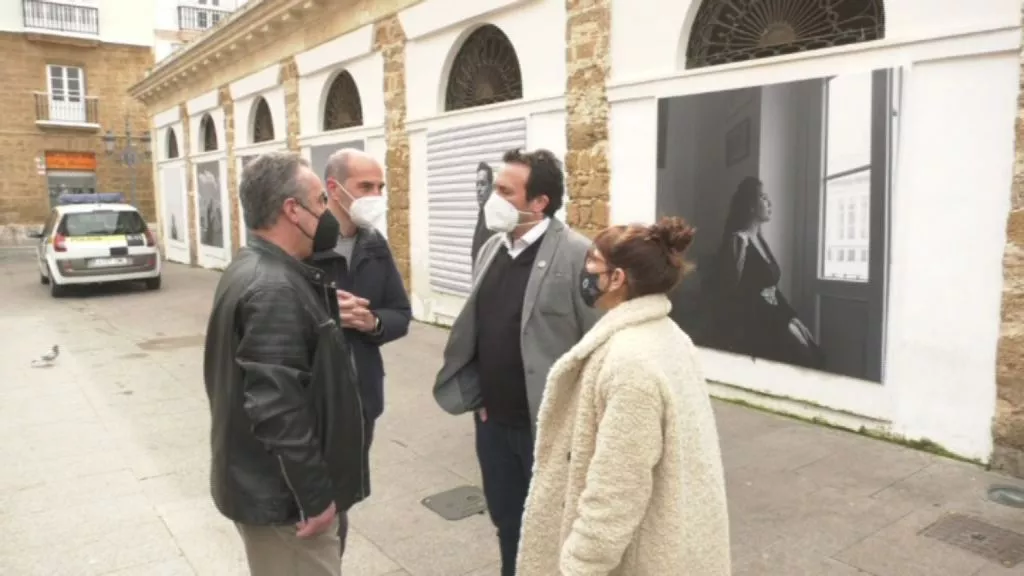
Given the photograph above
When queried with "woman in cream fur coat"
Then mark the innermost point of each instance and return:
(627, 477)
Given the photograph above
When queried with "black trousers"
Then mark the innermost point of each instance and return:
(506, 464)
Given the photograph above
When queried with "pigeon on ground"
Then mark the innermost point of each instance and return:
(46, 360)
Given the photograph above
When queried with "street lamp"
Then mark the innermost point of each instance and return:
(131, 150)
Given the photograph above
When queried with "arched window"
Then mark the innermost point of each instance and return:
(342, 107)
(727, 31)
(171, 144)
(262, 122)
(484, 71)
(209, 133)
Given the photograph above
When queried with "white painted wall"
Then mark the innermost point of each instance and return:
(437, 28)
(650, 23)
(953, 169)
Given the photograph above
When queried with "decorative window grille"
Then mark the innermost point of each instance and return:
(726, 31)
(485, 71)
(342, 108)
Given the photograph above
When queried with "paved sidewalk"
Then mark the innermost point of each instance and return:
(106, 458)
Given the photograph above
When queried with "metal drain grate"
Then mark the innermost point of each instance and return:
(458, 503)
(992, 542)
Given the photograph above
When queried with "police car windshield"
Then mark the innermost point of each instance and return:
(103, 223)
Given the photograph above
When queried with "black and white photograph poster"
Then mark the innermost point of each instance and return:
(788, 187)
(174, 202)
(462, 163)
(211, 210)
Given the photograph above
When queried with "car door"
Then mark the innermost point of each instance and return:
(44, 243)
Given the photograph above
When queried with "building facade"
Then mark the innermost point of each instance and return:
(181, 21)
(848, 137)
(67, 69)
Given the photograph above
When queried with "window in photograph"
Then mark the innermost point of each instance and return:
(342, 108)
(846, 182)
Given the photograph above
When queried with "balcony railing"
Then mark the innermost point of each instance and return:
(65, 18)
(67, 110)
(196, 18)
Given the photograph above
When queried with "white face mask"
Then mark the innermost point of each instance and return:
(500, 215)
(369, 211)
(366, 212)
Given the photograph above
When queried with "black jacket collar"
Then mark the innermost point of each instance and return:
(367, 242)
(271, 250)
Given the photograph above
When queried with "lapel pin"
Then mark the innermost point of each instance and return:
(541, 264)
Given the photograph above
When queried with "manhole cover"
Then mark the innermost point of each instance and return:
(992, 542)
(457, 503)
(1007, 496)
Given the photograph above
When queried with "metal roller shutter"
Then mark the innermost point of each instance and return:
(452, 159)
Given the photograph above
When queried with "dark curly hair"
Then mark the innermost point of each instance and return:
(546, 177)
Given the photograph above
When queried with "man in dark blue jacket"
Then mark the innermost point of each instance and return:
(374, 306)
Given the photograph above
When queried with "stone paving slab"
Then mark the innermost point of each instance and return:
(106, 461)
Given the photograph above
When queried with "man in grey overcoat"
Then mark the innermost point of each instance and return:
(523, 313)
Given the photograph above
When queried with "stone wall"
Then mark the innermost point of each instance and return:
(389, 39)
(110, 69)
(228, 105)
(190, 189)
(1008, 426)
(288, 78)
(587, 61)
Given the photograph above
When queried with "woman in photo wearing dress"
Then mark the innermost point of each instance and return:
(627, 477)
(754, 318)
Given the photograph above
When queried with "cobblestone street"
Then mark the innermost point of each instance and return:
(106, 461)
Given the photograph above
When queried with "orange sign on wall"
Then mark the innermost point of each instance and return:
(71, 161)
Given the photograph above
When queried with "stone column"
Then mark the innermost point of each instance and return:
(587, 61)
(228, 105)
(1008, 425)
(389, 39)
(190, 188)
(288, 77)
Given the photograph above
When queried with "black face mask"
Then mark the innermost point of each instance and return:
(590, 288)
(327, 231)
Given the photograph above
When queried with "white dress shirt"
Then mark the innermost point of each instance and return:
(516, 247)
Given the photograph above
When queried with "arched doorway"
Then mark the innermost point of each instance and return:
(726, 31)
(262, 122)
(342, 107)
(208, 133)
(484, 71)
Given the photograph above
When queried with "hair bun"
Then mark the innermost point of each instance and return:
(673, 233)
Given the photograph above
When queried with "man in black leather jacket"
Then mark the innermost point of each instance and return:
(287, 430)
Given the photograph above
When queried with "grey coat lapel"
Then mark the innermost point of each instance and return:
(541, 265)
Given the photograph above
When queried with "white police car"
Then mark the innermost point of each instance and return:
(93, 239)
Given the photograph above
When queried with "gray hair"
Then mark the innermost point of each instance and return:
(337, 163)
(267, 182)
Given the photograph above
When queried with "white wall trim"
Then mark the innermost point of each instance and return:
(482, 113)
(261, 148)
(433, 16)
(336, 52)
(817, 63)
(260, 81)
(169, 116)
(344, 135)
(202, 103)
(208, 157)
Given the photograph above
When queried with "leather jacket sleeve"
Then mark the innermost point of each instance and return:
(274, 355)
